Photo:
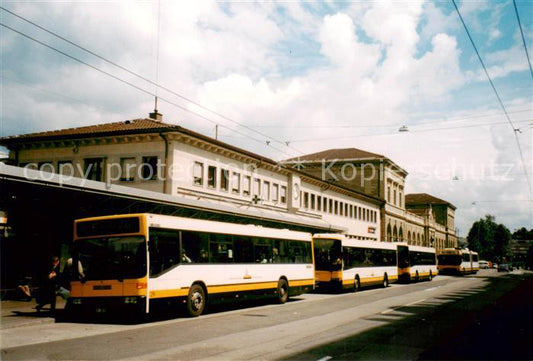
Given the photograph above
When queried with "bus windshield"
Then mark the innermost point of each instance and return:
(107, 258)
(328, 255)
(451, 260)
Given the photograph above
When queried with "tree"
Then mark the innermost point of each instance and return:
(489, 239)
(481, 237)
(523, 234)
(502, 237)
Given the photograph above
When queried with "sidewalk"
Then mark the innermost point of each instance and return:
(23, 313)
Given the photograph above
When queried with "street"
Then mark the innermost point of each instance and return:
(484, 316)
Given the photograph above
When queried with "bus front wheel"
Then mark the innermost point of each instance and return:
(283, 290)
(195, 300)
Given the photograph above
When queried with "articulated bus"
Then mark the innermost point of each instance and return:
(133, 262)
(416, 263)
(344, 263)
(457, 261)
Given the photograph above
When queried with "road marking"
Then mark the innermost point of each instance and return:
(431, 289)
(414, 303)
(325, 358)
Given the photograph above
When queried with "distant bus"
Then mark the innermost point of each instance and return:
(136, 261)
(344, 263)
(457, 261)
(416, 263)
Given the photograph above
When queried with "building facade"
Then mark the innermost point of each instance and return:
(415, 219)
(151, 155)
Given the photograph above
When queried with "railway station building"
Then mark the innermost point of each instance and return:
(418, 219)
(146, 165)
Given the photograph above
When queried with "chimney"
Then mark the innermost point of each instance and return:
(158, 117)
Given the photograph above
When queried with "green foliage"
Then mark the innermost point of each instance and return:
(489, 239)
(523, 234)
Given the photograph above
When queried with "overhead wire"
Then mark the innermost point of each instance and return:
(148, 80)
(523, 38)
(135, 86)
(395, 126)
(499, 99)
(410, 131)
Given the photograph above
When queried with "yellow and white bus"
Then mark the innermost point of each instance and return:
(344, 263)
(134, 261)
(457, 261)
(416, 263)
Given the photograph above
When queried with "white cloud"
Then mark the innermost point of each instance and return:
(377, 65)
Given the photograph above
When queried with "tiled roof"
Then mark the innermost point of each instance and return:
(424, 198)
(127, 127)
(331, 154)
(134, 126)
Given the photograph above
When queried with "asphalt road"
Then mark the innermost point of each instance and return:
(488, 316)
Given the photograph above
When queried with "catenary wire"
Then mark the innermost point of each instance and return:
(148, 80)
(498, 97)
(410, 131)
(137, 87)
(523, 38)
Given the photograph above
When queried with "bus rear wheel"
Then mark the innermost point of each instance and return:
(283, 290)
(195, 300)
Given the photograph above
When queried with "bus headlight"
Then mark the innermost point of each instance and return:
(130, 300)
(76, 301)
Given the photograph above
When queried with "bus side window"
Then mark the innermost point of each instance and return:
(221, 248)
(195, 246)
(164, 250)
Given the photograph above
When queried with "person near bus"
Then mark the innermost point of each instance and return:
(49, 285)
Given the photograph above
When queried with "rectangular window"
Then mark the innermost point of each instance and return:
(331, 206)
(94, 169)
(319, 203)
(313, 202)
(346, 209)
(246, 184)
(351, 211)
(306, 200)
(336, 208)
(283, 194)
(46, 166)
(236, 182)
(275, 193)
(212, 176)
(198, 173)
(341, 208)
(66, 168)
(266, 191)
(149, 168)
(127, 169)
(224, 179)
(257, 187)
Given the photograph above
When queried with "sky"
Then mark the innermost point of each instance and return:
(288, 78)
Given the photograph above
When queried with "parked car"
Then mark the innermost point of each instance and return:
(504, 267)
(483, 264)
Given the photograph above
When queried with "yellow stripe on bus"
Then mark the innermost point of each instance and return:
(246, 287)
(369, 280)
